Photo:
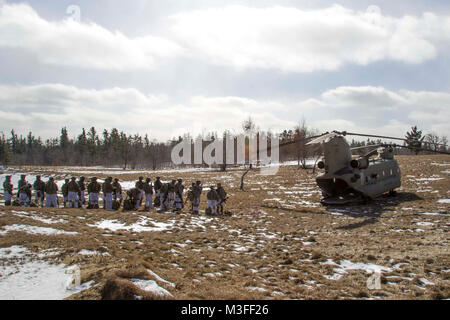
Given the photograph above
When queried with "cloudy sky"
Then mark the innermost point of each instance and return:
(175, 66)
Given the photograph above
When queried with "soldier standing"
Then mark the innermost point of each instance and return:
(212, 197)
(117, 193)
(73, 189)
(107, 193)
(39, 188)
(164, 197)
(140, 185)
(190, 196)
(197, 194)
(179, 188)
(222, 198)
(65, 192)
(23, 191)
(148, 189)
(51, 189)
(82, 186)
(171, 195)
(8, 188)
(93, 189)
(157, 186)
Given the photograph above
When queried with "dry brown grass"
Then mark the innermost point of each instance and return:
(268, 249)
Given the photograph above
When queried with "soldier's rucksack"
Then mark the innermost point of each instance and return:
(190, 195)
(128, 205)
(116, 205)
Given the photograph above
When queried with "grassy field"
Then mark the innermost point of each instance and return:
(280, 243)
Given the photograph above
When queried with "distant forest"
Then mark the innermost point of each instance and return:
(118, 149)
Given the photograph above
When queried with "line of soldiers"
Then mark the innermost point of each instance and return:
(168, 196)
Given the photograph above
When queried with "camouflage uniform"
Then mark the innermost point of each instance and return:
(179, 188)
(39, 188)
(65, 192)
(197, 190)
(93, 188)
(157, 186)
(212, 197)
(82, 186)
(140, 186)
(51, 189)
(222, 198)
(148, 189)
(107, 192)
(8, 188)
(23, 191)
(73, 189)
(117, 193)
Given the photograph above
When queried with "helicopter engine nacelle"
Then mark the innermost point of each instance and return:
(360, 163)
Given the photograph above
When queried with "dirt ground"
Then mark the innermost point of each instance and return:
(280, 243)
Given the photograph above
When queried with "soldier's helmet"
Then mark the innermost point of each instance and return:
(148, 180)
(180, 180)
(51, 179)
(116, 179)
(110, 178)
(219, 184)
(193, 184)
(94, 178)
(8, 177)
(140, 178)
(73, 178)
(82, 178)
(22, 176)
(211, 187)
(198, 182)
(157, 178)
(66, 180)
(38, 177)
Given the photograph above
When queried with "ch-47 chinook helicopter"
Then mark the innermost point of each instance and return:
(348, 179)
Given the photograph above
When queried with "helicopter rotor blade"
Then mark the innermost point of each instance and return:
(322, 138)
(421, 149)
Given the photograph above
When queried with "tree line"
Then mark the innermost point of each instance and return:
(131, 151)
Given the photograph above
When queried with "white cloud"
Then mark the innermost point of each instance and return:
(295, 40)
(75, 44)
(279, 38)
(44, 109)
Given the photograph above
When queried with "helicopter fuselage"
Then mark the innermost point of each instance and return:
(345, 177)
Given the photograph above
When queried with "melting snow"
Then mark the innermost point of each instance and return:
(151, 286)
(24, 278)
(35, 230)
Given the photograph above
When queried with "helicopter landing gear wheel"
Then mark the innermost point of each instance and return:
(392, 193)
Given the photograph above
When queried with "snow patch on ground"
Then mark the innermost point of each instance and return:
(35, 230)
(151, 286)
(24, 277)
(140, 226)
